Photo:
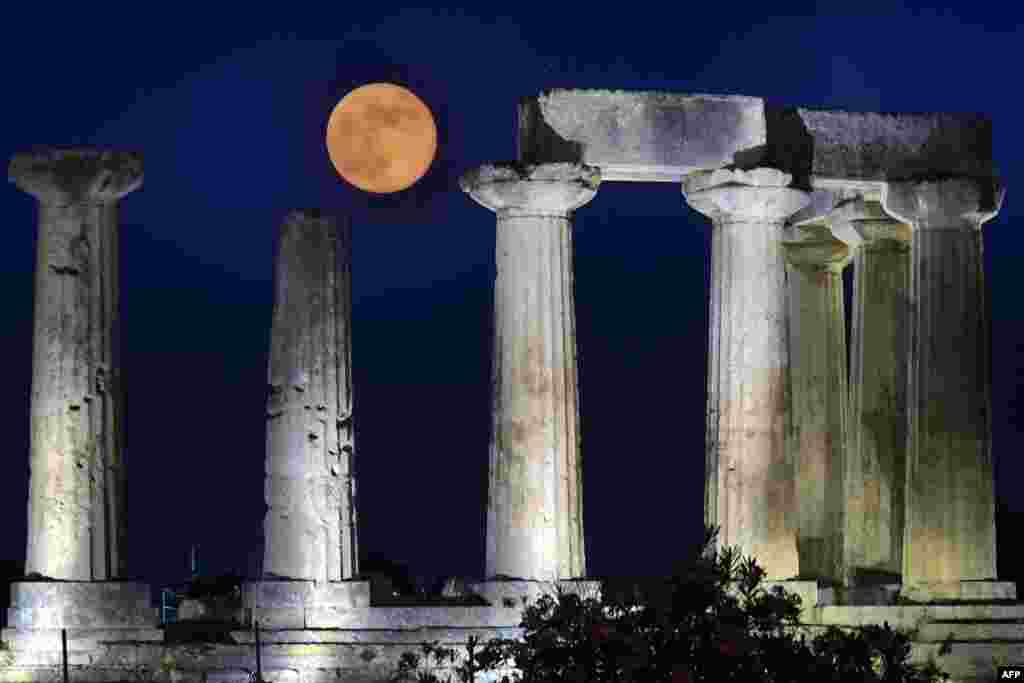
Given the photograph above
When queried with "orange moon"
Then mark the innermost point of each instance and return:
(381, 138)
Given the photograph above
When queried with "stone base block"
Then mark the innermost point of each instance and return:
(284, 604)
(78, 639)
(80, 605)
(517, 593)
(913, 616)
(880, 594)
(191, 609)
(960, 591)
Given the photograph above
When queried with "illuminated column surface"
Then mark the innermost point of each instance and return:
(949, 534)
(535, 505)
(76, 513)
(310, 527)
(817, 346)
(875, 472)
(749, 490)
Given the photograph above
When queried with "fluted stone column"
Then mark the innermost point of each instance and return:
(749, 490)
(76, 503)
(817, 346)
(311, 551)
(76, 513)
(949, 535)
(875, 472)
(535, 503)
(310, 527)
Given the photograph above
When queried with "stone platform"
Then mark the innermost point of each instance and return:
(516, 593)
(80, 604)
(367, 643)
(284, 604)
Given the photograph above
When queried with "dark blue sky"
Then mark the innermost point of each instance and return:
(229, 109)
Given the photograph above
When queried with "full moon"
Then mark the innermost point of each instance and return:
(381, 138)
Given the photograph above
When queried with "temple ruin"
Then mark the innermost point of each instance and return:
(856, 488)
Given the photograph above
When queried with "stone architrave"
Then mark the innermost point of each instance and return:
(310, 526)
(76, 505)
(875, 472)
(535, 503)
(749, 491)
(949, 532)
(817, 347)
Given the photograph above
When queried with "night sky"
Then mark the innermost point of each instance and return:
(229, 109)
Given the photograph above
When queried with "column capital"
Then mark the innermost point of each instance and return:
(818, 255)
(859, 221)
(76, 175)
(528, 189)
(964, 203)
(760, 194)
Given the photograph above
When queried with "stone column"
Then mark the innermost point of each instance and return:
(875, 472)
(76, 503)
(535, 504)
(749, 489)
(310, 527)
(76, 514)
(949, 534)
(311, 551)
(817, 347)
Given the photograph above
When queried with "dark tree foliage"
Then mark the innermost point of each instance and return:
(711, 621)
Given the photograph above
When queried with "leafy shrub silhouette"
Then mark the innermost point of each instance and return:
(712, 621)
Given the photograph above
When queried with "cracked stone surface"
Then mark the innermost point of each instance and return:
(76, 519)
(310, 526)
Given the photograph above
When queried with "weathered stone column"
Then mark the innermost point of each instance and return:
(949, 536)
(76, 513)
(311, 552)
(749, 490)
(875, 472)
(535, 504)
(817, 347)
(76, 504)
(310, 526)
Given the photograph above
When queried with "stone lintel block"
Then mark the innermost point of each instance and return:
(641, 136)
(61, 176)
(960, 591)
(660, 136)
(517, 593)
(79, 593)
(285, 593)
(877, 146)
(398, 618)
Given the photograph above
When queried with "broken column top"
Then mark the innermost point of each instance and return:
(76, 175)
(658, 136)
